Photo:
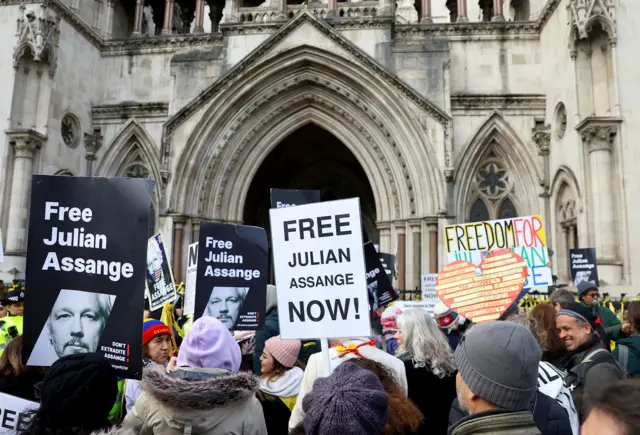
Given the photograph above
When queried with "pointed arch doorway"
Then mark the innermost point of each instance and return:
(311, 158)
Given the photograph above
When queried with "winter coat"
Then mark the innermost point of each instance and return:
(496, 422)
(115, 430)
(277, 398)
(612, 325)
(551, 383)
(271, 329)
(432, 395)
(22, 386)
(316, 368)
(633, 363)
(548, 416)
(202, 401)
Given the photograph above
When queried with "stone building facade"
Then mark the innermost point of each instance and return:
(432, 112)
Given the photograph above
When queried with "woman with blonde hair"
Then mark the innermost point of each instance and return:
(430, 368)
(17, 379)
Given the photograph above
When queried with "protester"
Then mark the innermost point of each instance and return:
(205, 394)
(15, 378)
(279, 383)
(271, 328)
(350, 401)
(616, 412)
(156, 344)
(247, 342)
(12, 324)
(390, 327)
(15, 302)
(430, 367)
(561, 298)
(497, 379)
(450, 323)
(588, 294)
(76, 396)
(627, 350)
(404, 416)
(339, 352)
(591, 367)
(553, 349)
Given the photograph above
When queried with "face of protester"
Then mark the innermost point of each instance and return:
(399, 336)
(16, 309)
(557, 307)
(591, 296)
(601, 423)
(463, 393)
(267, 362)
(75, 324)
(158, 349)
(3, 311)
(224, 304)
(571, 332)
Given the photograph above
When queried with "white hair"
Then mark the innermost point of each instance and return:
(424, 343)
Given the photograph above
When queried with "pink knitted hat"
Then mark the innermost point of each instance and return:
(284, 351)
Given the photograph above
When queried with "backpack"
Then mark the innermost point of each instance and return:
(623, 360)
(577, 374)
(551, 383)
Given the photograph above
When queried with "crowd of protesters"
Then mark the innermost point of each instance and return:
(563, 368)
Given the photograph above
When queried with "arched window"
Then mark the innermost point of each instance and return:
(479, 211)
(137, 169)
(507, 210)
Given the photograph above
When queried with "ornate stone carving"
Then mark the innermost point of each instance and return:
(70, 17)
(128, 110)
(598, 138)
(517, 104)
(406, 12)
(38, 32)
(542, 138)
(25, 142)
(584, 13)
(92, 143)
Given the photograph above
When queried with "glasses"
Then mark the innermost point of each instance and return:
(594, 295)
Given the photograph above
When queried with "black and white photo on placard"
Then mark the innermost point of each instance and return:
(86, 266)
(231, 275)
(381, 291)
(162, 288)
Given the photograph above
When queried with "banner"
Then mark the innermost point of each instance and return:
(320, 270)
(289, 197)
(379, 286)
(389, 264)
(524, 236)
(162, 288)
(428, 287)
(190, 280)
(86, 268)
(583, 265)
(15, 414)
(231, 282)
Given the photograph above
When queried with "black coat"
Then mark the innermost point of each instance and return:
(22, 386)
(432, 395)
(276, 415)
(549, 416)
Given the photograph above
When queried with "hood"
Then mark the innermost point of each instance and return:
(287, 385)
(200, 398)
(272, 297)
(633, 343)
(116, 430)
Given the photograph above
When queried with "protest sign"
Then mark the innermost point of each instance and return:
(190, 281)
(320, 270)
(162, 288)
(388, 263)
(482, 293)
(1, 249)
(429, 296)
(523, 235)
(583, 265)
(15, 414)
(289, 197)
(86, 268)
(231, 282)
(379, 286)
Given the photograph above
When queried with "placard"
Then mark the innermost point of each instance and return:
(482, 293)
(231, 282)
(1, 248)
(379, 286)
(160, 283)
(15, 414)
(190, 280)
(291, 197)
(523, 235)
(86, 268)
(388, 262)
(320, 270)
(583, 265)
(429, 296)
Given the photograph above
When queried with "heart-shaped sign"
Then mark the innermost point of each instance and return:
(482, 293)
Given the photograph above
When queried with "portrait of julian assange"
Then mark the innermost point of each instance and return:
(225, 303)
(75, 325)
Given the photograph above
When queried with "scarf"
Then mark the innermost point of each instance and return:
(287, 385)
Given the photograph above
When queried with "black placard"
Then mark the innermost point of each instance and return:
(86, 266)
(381, 291)
(583, 265)
(290, 197)
(388, 262)
(231, 282)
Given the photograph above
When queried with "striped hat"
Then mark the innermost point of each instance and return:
(151, 328)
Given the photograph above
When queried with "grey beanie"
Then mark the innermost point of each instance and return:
(584, 287)
(499, 362)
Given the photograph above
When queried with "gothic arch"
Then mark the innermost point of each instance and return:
(295, 87)
(567, 204)
(64, 172)
(496, 141)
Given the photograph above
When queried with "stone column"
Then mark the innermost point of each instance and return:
(614, 73)
(215, 15)
(137, 19)
(195, 230)
(416, 235)
(400, 255)
(542, 138)
(282, 9)
(178, 225)
(92, 143)
(199, 28)
(426, 12)
(384, 230)
(433, 248)
(167, 26)
(498, 14)
(25, 143)
(108, 19)
(333, 8)
(462, 10)
(574, 61)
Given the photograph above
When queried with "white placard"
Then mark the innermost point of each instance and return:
(320, 271)
(429, 297)
(14, 413)
(1, 248)
(190, 281)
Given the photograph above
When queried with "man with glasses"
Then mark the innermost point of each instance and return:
(589, 296)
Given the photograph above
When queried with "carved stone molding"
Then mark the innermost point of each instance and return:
(469, 30)
(542, 138)
(522, 104)
(160, 44)
(38, 33)
(72, 18)
(25, 142)
(92, 143)
(583, 14)
(597, 133)
(129, 109)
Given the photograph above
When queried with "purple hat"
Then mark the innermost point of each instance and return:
(209, 345)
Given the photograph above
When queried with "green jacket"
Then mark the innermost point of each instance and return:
(6, 330)
(612, 325)
(633, 344)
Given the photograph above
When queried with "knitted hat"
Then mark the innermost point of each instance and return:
(209, 345)
(499, 362)
(151, 328)
(584, 287)
(580, 312)
(78, 390)
(389, 318)
(443, 315)
(284, 351)
(350, 401)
